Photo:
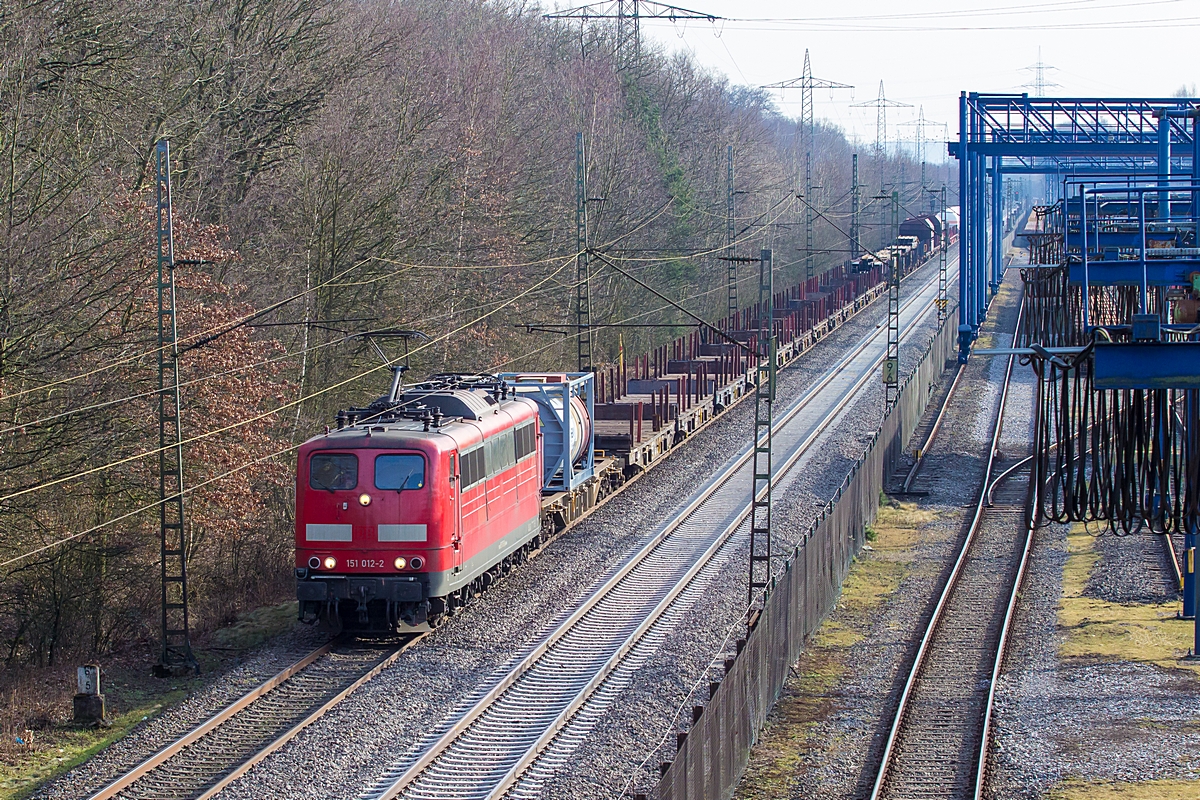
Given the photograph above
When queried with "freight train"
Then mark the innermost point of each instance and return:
(416, 503)
(422, 499)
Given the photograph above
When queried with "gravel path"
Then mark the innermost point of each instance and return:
(351, 745)
(1133, 569)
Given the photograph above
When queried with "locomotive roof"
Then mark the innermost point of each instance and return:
(399, 431)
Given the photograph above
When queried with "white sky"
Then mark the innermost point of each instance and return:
(927, 52)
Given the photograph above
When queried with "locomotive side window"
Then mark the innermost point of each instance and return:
(399, 472)
(526, 437)
(501, 454)
(333, 471)
(472, 466)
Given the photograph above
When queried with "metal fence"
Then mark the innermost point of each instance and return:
(713, 753)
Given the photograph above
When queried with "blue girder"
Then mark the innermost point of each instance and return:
(1066, 136)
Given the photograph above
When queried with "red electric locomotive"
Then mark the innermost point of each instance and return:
(415, 502)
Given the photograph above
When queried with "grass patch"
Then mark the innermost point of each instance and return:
(1099, 630)
(1075, 789)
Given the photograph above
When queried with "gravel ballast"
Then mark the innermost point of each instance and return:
(825, 736)
(352, 744)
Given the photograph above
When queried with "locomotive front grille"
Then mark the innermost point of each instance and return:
(323, 532)
(403, 533)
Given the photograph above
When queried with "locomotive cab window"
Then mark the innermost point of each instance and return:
(333, 471)
(399, 472)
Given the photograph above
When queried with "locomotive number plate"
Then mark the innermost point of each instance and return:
(366, 563)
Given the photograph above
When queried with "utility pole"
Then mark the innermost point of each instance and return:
(883, 213)
(895, 215)
(628, 15)
(764, 398)
(177, 657)
(855, 247)
(583, 287)
(920, 123)
(943, 298)
(730, 233)
(807, 83)
(884, 208)
(891, 362)
(881, 104)
(1039, 85)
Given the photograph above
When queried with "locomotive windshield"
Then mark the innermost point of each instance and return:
(399, 472)
(332, 471)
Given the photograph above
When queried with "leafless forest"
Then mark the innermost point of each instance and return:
(350, 166)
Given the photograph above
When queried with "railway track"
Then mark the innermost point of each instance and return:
(927, 439)
(490, 740)
(197, 765)
(202, 762)
(937, 745)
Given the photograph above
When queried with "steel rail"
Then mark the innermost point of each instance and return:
(295, 730)
(992, 487)
(246, 701)
(986, 734)
(951, 583)
(933, 431)
(435, 750)
(211, 724)
(797, 452)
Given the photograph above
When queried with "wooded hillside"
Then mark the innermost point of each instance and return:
(353, 166)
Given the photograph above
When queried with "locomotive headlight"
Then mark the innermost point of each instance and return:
(330, 562)
(364, 499)
(399, 563)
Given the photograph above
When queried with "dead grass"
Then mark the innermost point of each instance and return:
(1103, 632)
(1074, 789)
(1098, 630)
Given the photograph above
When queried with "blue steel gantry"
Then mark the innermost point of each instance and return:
(1116, 334)
(1006, 134)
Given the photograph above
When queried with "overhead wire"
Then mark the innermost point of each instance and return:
(154, 351)
(564, 264)
(276, 410)
(230, 326)
(84, 473)
(275, 454)
(244, 320)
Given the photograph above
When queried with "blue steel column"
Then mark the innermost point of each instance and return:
(964, 250)
(997, 226)
(975, 222)
(985, 257)
(1191, 437)
(1164, 165)
(980, 244)
(1196, 171)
